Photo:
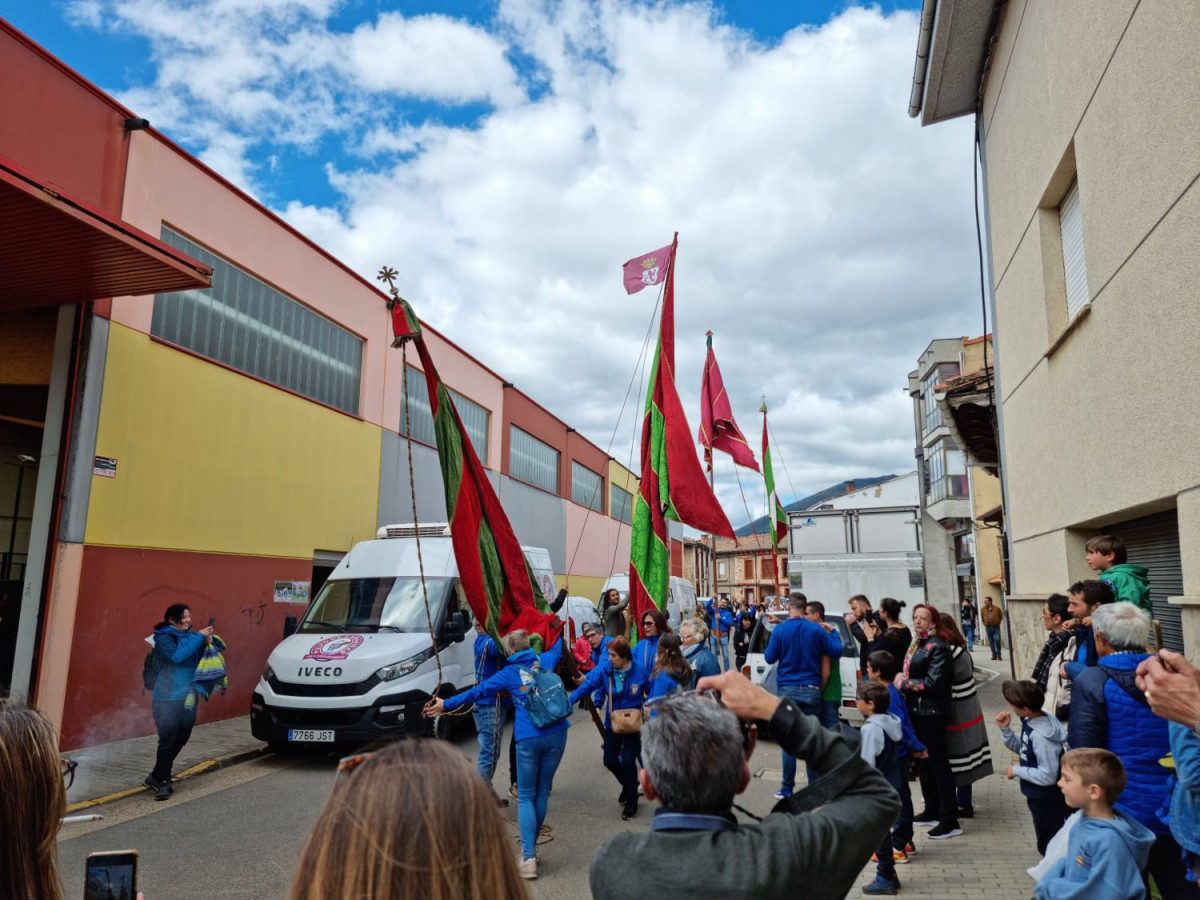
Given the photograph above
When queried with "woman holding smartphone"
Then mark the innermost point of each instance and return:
(177, 652)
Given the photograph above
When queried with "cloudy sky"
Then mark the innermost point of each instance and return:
(506, 157)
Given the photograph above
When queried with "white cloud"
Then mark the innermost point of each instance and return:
(824, 236)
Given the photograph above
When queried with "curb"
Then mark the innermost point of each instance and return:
(208, 765)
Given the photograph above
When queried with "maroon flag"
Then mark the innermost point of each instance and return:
(673, 485)
(496, 578)
(647, 269)
(717, 429)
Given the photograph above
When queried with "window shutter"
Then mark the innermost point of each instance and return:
(1070, 221)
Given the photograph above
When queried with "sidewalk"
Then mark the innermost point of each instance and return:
(112, 771)
(997, 846)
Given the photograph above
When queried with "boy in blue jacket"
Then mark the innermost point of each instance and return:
(882, 668)
(1107, 849)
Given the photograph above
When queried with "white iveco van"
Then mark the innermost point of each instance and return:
(359, 665)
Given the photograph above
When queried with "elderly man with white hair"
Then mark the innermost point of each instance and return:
(1109, 711)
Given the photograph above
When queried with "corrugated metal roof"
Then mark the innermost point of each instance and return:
(55, 249)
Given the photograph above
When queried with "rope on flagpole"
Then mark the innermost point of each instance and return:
(775, 444)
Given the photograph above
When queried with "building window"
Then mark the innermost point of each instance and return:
(748, 568)
(749, 595)
(249, 326)
(946, 470)
(916, 578)
(620, 504)
(532, 461)
(475, 418)
(939, 374)
(783, 567)
(721, 569)
(587, 488)
(1070, 221)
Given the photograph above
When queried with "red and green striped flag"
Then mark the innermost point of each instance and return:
(777, 515)
(672, 484)
(496, 577)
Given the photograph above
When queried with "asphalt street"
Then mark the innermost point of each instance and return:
(237, 832)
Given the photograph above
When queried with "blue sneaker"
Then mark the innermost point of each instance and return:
(783, 794)
(882, 885)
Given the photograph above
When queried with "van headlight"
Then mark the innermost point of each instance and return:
(268, 672)
(404, 667)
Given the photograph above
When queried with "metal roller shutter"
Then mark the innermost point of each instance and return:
(1153, 542)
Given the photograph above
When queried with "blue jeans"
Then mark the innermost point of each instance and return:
(723, 640)
(488, 726)
(994, 641)
(808, 700)
(969, 634)
(537, 761)
(829, 714)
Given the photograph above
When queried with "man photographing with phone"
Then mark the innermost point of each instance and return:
(697, 760)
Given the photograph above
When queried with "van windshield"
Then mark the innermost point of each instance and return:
(376, 604)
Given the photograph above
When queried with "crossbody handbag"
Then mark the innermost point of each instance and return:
(622, 721)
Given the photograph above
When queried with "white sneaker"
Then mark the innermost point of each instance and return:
(527, 868)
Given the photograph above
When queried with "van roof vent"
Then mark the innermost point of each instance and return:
(427, 529)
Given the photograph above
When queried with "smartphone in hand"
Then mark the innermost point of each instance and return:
(110, 874)
(212, 621)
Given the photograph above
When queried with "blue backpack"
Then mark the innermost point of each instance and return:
(546, 700)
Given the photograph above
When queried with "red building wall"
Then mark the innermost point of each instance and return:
(123, 593)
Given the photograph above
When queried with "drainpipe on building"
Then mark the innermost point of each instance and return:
(917, 97)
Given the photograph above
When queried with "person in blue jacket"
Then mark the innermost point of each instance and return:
(797, 645)
(539, 750)
(1185, 798)
(489, 717)
(720, 624)
(654, 625)
(882, 668)
(693, 634)
(177, 652)
(623, 681)
(671, 673)
(1083, 599)
(1109, 711)
(1107, 848)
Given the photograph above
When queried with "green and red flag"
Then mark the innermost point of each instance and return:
(777, 516)
(499, 584)
(673, 485)
(718, 431)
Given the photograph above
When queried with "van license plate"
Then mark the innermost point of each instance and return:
(299, 734)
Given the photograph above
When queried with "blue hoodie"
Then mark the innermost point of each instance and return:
(176, 655)
(1104, 861)
(509, 679)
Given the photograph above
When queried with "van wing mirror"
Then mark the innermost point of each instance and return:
(456, 627)
(289, 626)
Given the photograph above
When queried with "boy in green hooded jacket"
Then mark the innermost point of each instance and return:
(1129, 583)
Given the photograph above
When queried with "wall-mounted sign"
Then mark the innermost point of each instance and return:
(106, 466)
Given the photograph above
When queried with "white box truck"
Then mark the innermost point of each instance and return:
(359, 664)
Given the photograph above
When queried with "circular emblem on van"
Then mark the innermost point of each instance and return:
(337, 647)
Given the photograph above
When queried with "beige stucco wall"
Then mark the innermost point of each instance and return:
(1100, 415)
(985, 495)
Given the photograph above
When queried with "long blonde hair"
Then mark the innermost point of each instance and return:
(413, 822)
(32, 805)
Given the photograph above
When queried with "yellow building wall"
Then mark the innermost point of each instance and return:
(210, 460)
